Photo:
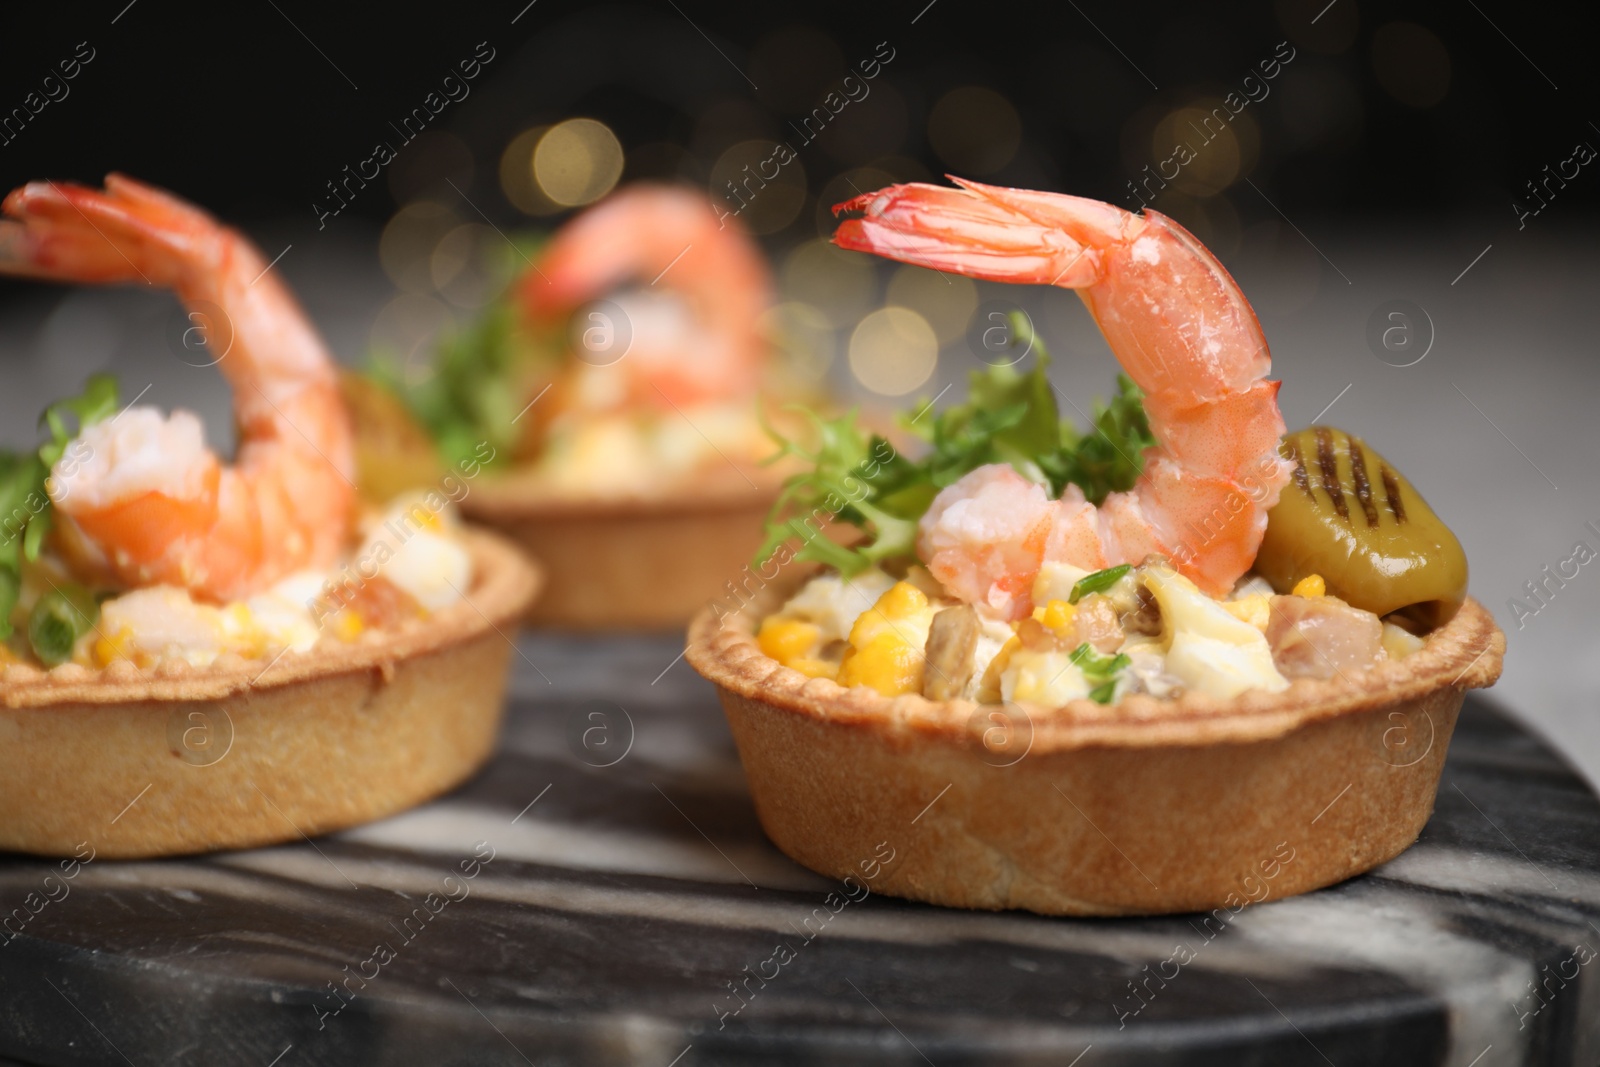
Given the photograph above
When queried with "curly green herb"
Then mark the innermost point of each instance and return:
(478, 379)
(1010, 416)
(25, 508)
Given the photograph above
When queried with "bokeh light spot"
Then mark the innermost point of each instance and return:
(893, 351)
(761, 182)
(1206, 144)
(463, 265)
(516, 174)
(841, 284)
(577, 162)
(945, 300)
(409, 238)
(803, 338)
(405, 331)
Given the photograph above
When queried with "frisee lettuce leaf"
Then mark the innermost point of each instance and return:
(477, 381)
(1010, 416)
(25, 508)
(854, 477)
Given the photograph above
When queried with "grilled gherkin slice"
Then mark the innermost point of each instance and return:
(1349, 516)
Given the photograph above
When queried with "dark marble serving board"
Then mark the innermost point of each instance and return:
(630, 886)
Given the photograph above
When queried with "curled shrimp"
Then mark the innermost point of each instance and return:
(1179, 326)
(698, 288)
(150, 504)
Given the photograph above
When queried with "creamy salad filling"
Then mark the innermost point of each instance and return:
(1100, 635)
(412, 562)
(631, 451)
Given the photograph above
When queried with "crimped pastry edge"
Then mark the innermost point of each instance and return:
(641, 562)
(513, 499)
(504, 582)
(1151, 807)
(1466, 653)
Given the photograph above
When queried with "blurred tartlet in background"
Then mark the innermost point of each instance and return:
(610, 396)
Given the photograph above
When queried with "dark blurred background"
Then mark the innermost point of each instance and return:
(1387, 110)
(1347, 156)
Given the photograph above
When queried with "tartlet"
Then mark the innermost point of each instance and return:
(1149, 807)
(610, 395)
(201, 654)
(1176, 660)
(180, 759)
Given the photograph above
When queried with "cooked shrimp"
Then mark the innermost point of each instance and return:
(984, 538)
(693, 287)
(1181, 329)
(152, 505)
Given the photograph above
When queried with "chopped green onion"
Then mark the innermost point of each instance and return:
(1100, 670)
(1102, 694)
(10, 589)
(1095, 663)
(57, 621)
(1098, 582)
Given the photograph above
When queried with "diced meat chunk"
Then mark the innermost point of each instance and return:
(1322, 637)
(1098, 623)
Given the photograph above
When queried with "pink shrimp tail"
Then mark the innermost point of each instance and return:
(965, 232)
(666, 240)
(1174, 318)
(284, 504)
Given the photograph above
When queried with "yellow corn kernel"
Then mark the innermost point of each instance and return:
(347, 626)
(238, 630)
(1254, 609)
(1311, 585)
(107, 650)
(902, 601)
(787, 640)
(886, 663)
(814, 668)
(1057, 615)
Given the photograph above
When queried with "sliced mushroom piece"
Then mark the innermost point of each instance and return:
(952, 646)
(1145, 619)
